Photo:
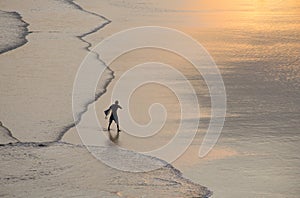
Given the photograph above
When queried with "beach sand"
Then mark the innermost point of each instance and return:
(62, 170)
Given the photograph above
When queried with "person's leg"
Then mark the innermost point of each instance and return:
(118, 127)
(108, 128)
(117, 123)
(110, 121)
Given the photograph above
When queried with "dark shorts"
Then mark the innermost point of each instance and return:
(112, 118)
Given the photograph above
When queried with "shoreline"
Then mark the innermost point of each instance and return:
(23, 33)
(16, 148)
(52, 171)
(97, 95)
(80, 34)
(87, 48)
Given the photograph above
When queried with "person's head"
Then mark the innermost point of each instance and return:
(116, 102)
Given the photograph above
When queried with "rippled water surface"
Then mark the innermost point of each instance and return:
(256, 45)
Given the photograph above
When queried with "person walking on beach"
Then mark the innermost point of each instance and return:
(113, 116)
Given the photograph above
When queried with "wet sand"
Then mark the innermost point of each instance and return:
(62, 170)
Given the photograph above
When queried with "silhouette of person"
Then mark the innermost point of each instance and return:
(113, 116)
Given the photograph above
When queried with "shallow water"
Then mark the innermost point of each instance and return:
(256, 46)
(257, 52)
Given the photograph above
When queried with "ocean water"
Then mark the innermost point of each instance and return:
(260, 51)
(256, 46)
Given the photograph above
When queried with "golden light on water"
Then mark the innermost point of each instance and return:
(214, 13)
(239, 5)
